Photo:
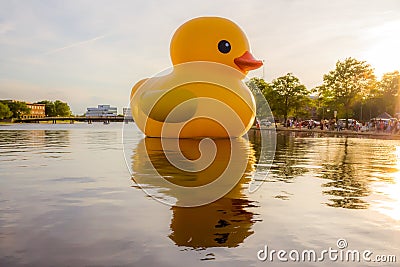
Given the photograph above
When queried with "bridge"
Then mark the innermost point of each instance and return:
(73, 119)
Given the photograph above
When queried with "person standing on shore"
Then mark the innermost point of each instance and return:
(397, 128)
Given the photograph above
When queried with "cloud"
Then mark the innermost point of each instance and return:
(93, 51)
(74, 45)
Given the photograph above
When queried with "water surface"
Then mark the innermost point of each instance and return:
(67, 198)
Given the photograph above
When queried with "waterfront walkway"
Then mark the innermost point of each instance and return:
(72, 119)
(378, 134)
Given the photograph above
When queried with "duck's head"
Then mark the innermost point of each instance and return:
(213, 39)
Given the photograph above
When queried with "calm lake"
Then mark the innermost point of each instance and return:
(68, 197)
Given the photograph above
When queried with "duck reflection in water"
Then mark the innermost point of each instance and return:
(225, 222)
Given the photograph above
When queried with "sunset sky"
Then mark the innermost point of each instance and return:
(91, 52)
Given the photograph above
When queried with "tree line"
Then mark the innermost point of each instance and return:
(56, 108)
(15, 109)
(351, 89)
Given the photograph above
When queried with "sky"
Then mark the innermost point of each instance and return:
(92, 52)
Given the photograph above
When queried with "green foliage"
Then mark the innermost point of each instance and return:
(56, 108)
(5, 111)
(50, 109)
(350, 81)
(285, 95)
(17, 108)
(268, 93)
(290, 95)
(351, 89)
(390, 84)
(62, 108)
(383, 97)
(388, 92)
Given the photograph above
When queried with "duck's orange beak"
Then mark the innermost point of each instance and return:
(247, 62)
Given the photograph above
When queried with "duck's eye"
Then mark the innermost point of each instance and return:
(224, 46)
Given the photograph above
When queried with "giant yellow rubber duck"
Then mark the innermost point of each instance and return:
(203, 95)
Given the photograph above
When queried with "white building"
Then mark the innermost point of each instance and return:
(101, 111)
(127, 113)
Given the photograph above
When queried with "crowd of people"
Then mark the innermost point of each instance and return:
(388, 126)
(375, 125)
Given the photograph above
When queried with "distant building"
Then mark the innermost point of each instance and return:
(101, 111)
(37, 111)
(127, 113)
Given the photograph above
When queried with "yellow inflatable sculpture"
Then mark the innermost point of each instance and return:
(203, 95)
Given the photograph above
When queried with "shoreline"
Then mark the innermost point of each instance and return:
(375, 135)
(42, 122)
(328, 132)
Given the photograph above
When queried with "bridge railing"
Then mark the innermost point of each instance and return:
(89, 119)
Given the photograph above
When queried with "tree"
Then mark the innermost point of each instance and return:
(383, 97)
(323, 106)
(289, 95)
(388, 89)
(5, 111)
(50, 109)
(17, 108)
(56, 108)
(268, 93)
(62, 109)
(347, 83)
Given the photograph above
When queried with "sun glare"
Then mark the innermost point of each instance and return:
(382, 50)
(390, 206)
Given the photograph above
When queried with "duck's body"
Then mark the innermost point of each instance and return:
(204, 95)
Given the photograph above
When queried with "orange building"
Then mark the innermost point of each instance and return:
(37, 111)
